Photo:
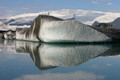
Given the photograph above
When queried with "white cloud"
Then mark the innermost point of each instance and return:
(109, 4)
(108, 64)
(78, 75)
(100, 1)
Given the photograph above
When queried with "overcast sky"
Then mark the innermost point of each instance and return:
(14, 7)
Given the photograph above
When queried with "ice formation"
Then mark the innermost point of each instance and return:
(51, 29)
(9, 35)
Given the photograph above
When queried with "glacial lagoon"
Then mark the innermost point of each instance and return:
(22, 60)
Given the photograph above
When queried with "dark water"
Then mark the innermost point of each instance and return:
(21, 60)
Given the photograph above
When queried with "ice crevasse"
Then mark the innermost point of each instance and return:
(52, 29)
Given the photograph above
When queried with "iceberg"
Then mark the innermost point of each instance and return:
(52, 29)
(9, 34)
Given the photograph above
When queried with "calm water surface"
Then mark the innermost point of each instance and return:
(20, 60)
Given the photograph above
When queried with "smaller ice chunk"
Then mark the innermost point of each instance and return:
(9, 35)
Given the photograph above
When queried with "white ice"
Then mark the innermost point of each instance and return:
(69, 31)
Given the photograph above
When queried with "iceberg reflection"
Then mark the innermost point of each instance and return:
(47, 56)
